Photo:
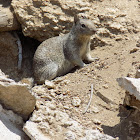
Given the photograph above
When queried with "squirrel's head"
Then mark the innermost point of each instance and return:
(84, 26)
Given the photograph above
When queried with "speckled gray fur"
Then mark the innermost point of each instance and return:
(58, 55)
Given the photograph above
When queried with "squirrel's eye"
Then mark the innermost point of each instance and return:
(83, 25)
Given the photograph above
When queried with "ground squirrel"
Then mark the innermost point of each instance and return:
(58, 55)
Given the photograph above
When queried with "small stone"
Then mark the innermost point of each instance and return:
(67, 123)
(99, 128)
(50, 119)
(105, 86)
(66, 92)
(52, 93)
(28, 81)
(95, 110)
(51, 105)
(69, 135)
(76, 101)
(138, 43)
(96, 121)
(134, 50)
(61, 116)
(118, 38)
(138, 74)
(58, 80)
(46, 97)
(49, 84)
(39, 90)
(61, 97)
(67, 107)
(96, 135)
(64, 82)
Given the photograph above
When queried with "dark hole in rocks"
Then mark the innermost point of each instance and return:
(29, 47)
(9, 55)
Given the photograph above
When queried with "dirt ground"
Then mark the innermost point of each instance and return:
(119, 57)
(107, 111)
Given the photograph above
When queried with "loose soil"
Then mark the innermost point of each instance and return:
(121, 57)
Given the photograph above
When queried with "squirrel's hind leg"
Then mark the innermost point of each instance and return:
(49, 72)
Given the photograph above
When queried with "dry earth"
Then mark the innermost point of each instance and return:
(106, 112)
(117, 58)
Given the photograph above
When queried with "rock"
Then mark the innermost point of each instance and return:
(11, 126)
(49, 84)
(8, 21)
(76, 101)
(44, 19)
(16, 96)
(39, 90)
(103, 32)
(130, 100)
(8, 53)
(95, 110)
(76, 127)
(29, 81)
(49, 122)
(62, 117)
(96, 121)
(138, 74)
(138, 43)
(31, 129)
(69, 135)
(116, 28)
(132, 85)
(98, 41)
(134, 50)
(96, 135)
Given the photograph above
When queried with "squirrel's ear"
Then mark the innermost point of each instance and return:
(76, 19)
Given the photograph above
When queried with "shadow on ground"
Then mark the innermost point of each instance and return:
(129, 126)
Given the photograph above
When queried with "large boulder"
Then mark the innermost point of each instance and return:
(8, 20)
(132, 87)
(43, 19)
(16, 96)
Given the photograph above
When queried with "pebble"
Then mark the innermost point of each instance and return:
(51, 105)
(96, 121)
(69, 135)
(52, 93)
(134, 50)
(95, 110)
(65, 82)
(67, 123)
(66, 92)
(50, 85)
(58, 80)
(28, 81)
(76, 101)
(67, 107)
(46, 98)
(105, 86)
(61, 97)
